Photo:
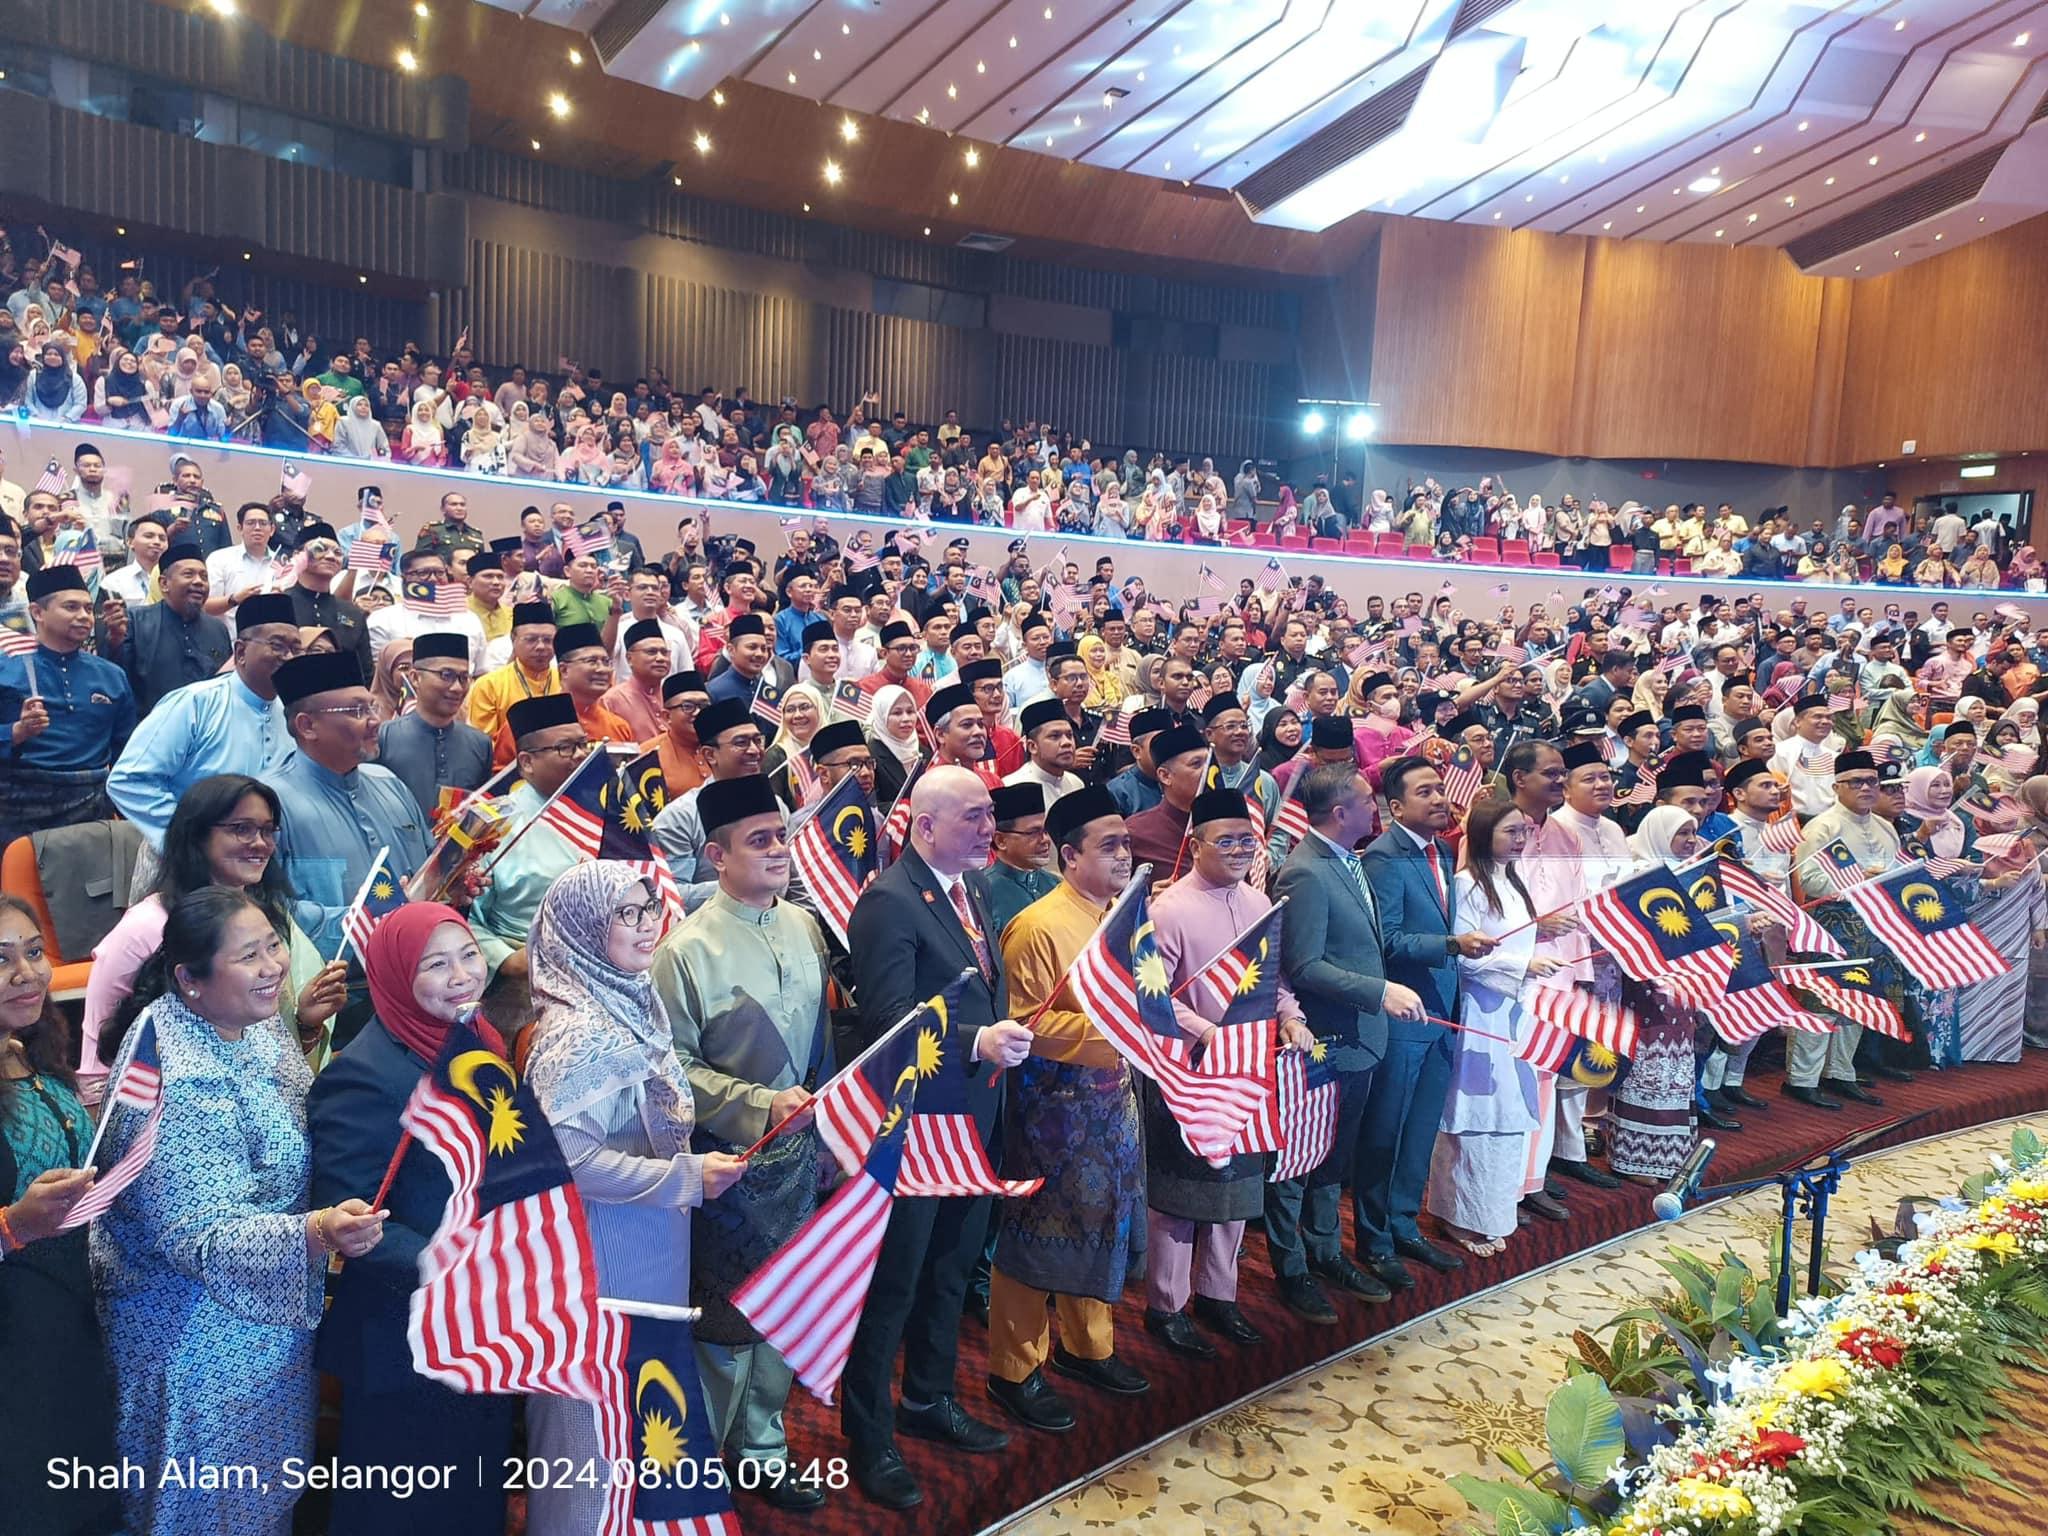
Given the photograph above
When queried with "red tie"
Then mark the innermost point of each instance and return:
(966, 917)
(1437, 873)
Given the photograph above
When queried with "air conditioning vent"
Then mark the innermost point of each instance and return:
(990, 243)
(1323, 152)
(618, 27)
(1476, 13)
(1934, 194)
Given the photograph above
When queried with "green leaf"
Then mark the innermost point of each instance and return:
(1515, 1461)
(2026, 1147)
(1728, 1307)
(1583, 1426)
(1515, 1518)
(1484, 1494)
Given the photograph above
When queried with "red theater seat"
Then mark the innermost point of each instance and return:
(1620, 557)
(1333, 545)
(1516, 550)
(1487, 550)
(1549, 559)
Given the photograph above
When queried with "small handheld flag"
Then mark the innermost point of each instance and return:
(141, 1088)
(381, 894)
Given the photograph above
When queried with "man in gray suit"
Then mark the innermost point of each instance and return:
(1330, 952)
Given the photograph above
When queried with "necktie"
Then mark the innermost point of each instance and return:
(1436, 871)
(1356, 865)
(966, 916)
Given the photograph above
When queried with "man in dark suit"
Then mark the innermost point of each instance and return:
(922, 921)
(1410, 869)
(1330, 952)
(314, 601)
(165, 645)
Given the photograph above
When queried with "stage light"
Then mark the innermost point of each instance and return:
(973, 158)
(221, 7)
(718, 98)
(703, 143)
(1359, 427)
(576, 57)
(1312, 423)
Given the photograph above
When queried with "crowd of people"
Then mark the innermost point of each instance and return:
(279, 696)
(195, 366)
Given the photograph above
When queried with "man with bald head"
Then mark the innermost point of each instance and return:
(917, 926)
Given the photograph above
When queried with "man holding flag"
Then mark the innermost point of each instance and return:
(551, 746)
(743, 982)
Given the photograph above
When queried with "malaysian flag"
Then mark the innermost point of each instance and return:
(652, 1419)
(1835, 857)
(1210, 579)
(507, 1300)
(766, 704)
(1240, 989)
(1644, 790)
(1782, 835)
(1584, 1016)
(141, 1087)
(630, 805)
(590, 539)
(807, 1299)
(849, 700)
(1756, 1001)
(381, 894)
(1656, 934)
(859, 556)
(1305, 1095)
(1119, 981)
(294, 481)
(78, 548)
(15, 642)
(1514, 655)
(982, 584)
(50, 481)
(1115, 730)
(1463, 775)
(441, 599)
(1272, 575)
(803, 777)
(580, 809)
(1851, 991)
(833, 848)
(373, 549)
(896, 826)
(1803, 935)
(1926, 928)
(1292, 817)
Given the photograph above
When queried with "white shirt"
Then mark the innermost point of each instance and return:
(130, 583)
(230, 570)
(1812, 793)
(682, 643)
(395, 621)
(1054, 787)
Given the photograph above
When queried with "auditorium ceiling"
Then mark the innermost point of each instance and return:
(1860, 136)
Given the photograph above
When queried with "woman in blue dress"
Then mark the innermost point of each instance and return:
(211, 1269)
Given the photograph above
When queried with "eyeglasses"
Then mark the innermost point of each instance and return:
(1246, 844)
(321, 547)
(637, 914)
(862, 764)
(353, 711)
(448, 677)
(248, 831)
(568, 751)
(278, 645)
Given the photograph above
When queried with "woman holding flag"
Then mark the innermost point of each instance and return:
(604, 1067)
(211, 1267)
(59, 1398)
(1653, 1104)
(425, 972)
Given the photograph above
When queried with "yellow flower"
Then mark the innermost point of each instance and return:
(2004, 1244)
(1767, 1412)
(1991, 1209)
(1814, 1378)
(1938, 1254)
(1711, 1501)
(2027, 1189)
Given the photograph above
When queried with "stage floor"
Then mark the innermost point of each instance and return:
(1365, 1437)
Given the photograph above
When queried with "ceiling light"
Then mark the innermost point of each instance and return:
(703, 143)
(1640, 207)
(1048, 141)
(849, 130)
(1873, 160)
(1980, 218)
(1937, 234)
(927, 229)
(953, 198)
(832, 173)
(576, 57)
(1528, 197)
(408, 60)
(1719, 233)
(676, 180)
(1703, 184)
(1141, 77)
(846, 29)
(718, 98)
(1920, 137)
(1496, 213)
(1563, 180)
(421, 10)
(953, 93)
(1169, 165)
(2021, 40)
(1859, 266)
(1048, 13)
(1802, 125)
(1359, 427)
(248, 255)
(361, 278)
(980, 67)
(1752, 218)
(534, 144)
(807, 207)
(1829, 182)
(1756, 149)
(1013, 42)
(725, 18)
(120, 229)
(1790, 201)
(558, 104)
(1077, 119)
(1312, 423)
(817, 57)
(1608, 225)
(221, 7)
(1899, 25)
(1713, 170)
(792, 77)
(1895, 253)
(973, 158)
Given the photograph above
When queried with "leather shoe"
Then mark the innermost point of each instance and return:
(1442, 1260)
(1552, 1188)
(1733, 1095)
(1894, 1074)
(1585, 1173)
(1345, 1275)
(1809, 1096)
(1302, 1296)
(1224, 1317)
(1110, 1374)
(949, 1424)
(1856, 1091)
(1033, 1403)
(1546, 1206)
(1715, 1120)
(1176, 1330)
(791, 1493)
(885, 1480)
(1392, 1273)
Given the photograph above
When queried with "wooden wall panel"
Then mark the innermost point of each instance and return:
(699, 333)
(532, 307)
(1474, 334)
(926, 369)
(1082, 388)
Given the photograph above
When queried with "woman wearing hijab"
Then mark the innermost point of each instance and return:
(1106, 686)
(423, 442)
(893, 739)
(803, 711)
(425, 973)
(1280, 738)
(122, 394)
(1653, 1104)
(484, 444)
(605, 1070)
(235, 397)
(56, 391)
(2025, 572)
(532, 454)
(359, 434)
(673, 472)
(14, 375)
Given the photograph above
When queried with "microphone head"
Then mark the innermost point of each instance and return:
(1667, 1206)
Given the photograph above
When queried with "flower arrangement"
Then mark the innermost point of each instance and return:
(1826, 1425)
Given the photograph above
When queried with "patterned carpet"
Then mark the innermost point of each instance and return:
(1367, 1442)
(1238, 1456)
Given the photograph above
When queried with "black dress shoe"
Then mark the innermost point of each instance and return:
(1033, 1403)
(792, 1493)
(1734, 1097)
(1893, 1074)
(1347, 1276)
(1715, 1120)
(1585, 1173)
(1110, 1375)
(1224, 1317)
(949, 1424)
(885, 1480)
(1176, 1330)
(1856, 1091)
(1546, 1205)
(1302, 1296)
(1442, 1260)
(1552, 1188)
(1809, 1096)
(1392, 1273)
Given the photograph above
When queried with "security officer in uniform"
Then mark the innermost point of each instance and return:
(453, 530)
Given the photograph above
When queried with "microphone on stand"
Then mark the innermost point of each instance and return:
(1670, 1203)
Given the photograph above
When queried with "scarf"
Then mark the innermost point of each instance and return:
(1941, 830)
(905, 752)
(390, 961)
(53, 386)
(358, 433)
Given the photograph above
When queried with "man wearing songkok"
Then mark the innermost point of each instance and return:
(1019, 875)
(683, 695)
(1755, 794)
(743, 981)
(1159, 836)
(1821, 1069)
(228, 724)
(1049, 739)
(1005, 747)
(584, 663)
(1026, 679)
(69, 713)
(636, 697)
(313, 599)
(551, 744)
(899, 647)
(749, 663)
(430, 746)
(1137, 787)
(730, 745)
(961, 731)
(1382, 735)
(1195, 1213)
(1806, 759)
(530, 674)
(1072, 1119)
(1233, 761)
(171, 644)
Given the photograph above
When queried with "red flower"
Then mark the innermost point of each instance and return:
(1873, 1348)
(1774, 1448)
